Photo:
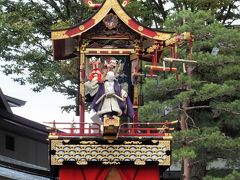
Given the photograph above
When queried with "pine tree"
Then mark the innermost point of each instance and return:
(208, 99)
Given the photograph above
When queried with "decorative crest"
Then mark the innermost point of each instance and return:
(97, 5)
(111, 21)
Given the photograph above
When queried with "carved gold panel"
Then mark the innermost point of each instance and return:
(59, 35)
(109, 154)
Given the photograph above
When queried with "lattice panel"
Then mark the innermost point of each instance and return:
(129, 151)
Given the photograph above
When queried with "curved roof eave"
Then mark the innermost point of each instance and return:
(100, 14)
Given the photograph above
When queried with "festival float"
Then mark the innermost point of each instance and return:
(116, 53)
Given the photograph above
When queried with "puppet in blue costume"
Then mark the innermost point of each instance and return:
(111, 99)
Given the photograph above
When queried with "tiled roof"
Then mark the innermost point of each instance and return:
(14, 174)
(20, 163)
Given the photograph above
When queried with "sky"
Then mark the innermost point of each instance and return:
(40, 107)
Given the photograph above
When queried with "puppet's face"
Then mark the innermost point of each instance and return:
(110, 76)
(93, 59)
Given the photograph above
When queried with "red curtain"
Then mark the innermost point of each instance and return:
(101, 173)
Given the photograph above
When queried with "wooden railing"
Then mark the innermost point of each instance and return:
(74, 129)
(125, 129)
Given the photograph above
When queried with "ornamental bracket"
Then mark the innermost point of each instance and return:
(97, 5)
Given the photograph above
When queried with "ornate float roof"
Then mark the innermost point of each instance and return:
(64, 43)
(106, 7)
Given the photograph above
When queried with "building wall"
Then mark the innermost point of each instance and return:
(26, 149)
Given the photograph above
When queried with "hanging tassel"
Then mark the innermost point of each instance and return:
(156, 56)
(175, 51)
(191, 48)
(172, 56)
(164, 69)
(184, 68)
(164, 66)
(171, 65)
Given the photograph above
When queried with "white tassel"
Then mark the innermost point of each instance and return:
(184, 68)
